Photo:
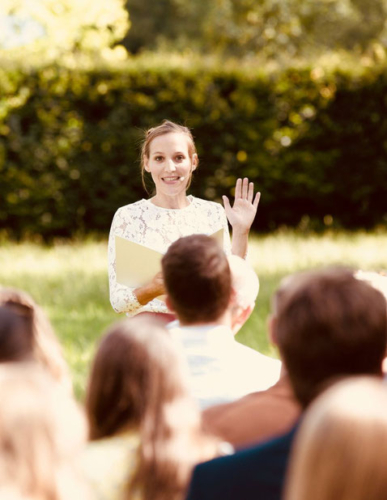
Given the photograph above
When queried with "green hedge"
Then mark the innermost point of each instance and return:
(315, 143)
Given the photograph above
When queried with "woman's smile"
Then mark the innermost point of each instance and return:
(170, 164)
(173, 179)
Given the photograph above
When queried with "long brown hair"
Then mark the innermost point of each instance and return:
(138, 381)
(46, 349)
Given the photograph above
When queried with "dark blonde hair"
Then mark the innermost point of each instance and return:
(166, 127)
(340, 451)
(46, 349)
(42, 431)
(137, 381)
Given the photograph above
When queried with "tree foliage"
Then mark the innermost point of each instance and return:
(313, 141)
(54, 29)
(269, 28)
(295, 27)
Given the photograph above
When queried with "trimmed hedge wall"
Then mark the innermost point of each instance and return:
(314, 143)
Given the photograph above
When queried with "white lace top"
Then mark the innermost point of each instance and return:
(156, 227)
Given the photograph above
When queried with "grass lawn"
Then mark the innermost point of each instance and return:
(70, 282)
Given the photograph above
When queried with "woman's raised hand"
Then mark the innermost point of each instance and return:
(242, 214)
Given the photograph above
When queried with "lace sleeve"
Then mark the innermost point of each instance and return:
(226, 233)
(122, 298)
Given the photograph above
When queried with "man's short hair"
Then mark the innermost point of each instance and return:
(197, 279)
(329, 324)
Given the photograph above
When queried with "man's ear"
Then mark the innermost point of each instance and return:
(239, 317)
(245, 314)
(169, 303)
(233, 295)
(272, 328)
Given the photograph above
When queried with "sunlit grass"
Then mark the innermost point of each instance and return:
(70, 282)
(283, 253)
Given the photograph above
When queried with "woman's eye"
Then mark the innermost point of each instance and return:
(179, 157)
(158, 158)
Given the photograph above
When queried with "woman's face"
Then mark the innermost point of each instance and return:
(170, 164)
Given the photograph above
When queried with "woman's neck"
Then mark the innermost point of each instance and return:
(170, 202)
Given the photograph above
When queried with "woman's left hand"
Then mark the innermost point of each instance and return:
(242, 214)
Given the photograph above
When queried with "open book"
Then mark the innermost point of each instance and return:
(136, 264)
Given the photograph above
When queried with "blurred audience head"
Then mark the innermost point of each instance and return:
(341, 448)
(138, 382)
(16, 336)
(197, 279)
(328, 324)
(42, 431)
(245, 286)
(135, 370)
(35, 331)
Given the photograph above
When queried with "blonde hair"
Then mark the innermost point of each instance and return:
(340, 451)
(41, 432)
(46, 349)
(166, 127)
(138, 381)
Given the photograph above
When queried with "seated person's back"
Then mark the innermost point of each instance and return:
(331, 325)
(145, 429)
(200, 291)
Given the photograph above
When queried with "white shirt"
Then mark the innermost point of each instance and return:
(220, 368)
(155, 227)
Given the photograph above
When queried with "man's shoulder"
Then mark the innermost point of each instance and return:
(255, 471)
(253, 418)
(261, 367)
(204, 338)
(247, 406)
(251, 355)
(250, 457)
(276, 401)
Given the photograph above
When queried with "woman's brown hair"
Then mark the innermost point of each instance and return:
(45, 348)
(138, 381)
(166, 127)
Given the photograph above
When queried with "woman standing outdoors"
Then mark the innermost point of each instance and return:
(169, 156)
